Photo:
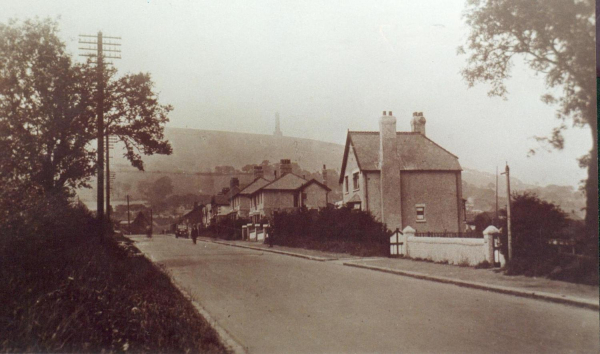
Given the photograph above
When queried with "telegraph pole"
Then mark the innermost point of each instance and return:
(110, 141)
(508, 230)
(496, 221)
(128, 222)
(99, 55)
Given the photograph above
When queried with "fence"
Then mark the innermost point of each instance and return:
(449, 234)
(469, 249)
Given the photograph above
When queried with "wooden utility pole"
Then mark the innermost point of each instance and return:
(508, 228)
(496, 221)
(99, 56)
(128, 222)
(110, 141)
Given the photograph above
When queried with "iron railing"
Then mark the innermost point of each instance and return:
(449, 234)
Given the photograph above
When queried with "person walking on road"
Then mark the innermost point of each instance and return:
(194, 233)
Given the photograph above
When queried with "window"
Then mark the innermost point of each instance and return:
(295, 200)
(355, 181)
(346, 180)
(420, 212)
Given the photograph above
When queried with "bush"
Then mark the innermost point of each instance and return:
(337, 230)
(65, 291)
(227, 229)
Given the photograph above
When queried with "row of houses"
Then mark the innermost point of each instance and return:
(401, 178)
(264, 196)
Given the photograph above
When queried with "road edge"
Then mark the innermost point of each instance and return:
(226, 339)
(567, 300)
(312, 258)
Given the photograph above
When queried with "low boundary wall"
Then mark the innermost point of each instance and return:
(454, 250)
(463, 251)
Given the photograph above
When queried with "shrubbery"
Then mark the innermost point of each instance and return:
(329, 229)
(534, 223)
(65, 290)
(227, 229)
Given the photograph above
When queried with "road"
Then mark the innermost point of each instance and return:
(273, 303)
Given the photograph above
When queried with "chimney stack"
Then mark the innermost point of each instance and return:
(234, 182)
(389, 166)
(324, 175)
(285, 166)
(258, 172)
(417, 124)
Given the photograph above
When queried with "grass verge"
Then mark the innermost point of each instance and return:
(77, 295)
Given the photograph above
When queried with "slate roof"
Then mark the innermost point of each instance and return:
(314, 181)
(220, 199)
(416, 152)
(289, 181)
(254, 186)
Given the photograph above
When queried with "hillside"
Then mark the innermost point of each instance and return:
(201, 150)
(197, 152)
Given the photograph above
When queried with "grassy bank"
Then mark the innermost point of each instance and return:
(76, 295)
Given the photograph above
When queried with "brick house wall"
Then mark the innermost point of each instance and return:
(437, 193)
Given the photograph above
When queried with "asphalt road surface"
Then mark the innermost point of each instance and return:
(273, 303)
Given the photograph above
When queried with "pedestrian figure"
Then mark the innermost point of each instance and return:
(194, 233)
(270, 239)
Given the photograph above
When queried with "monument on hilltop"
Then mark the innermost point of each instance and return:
(277, 131)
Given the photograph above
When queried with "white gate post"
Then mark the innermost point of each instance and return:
(408, 232)
(488, 237)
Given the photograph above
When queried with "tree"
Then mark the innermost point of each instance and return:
(534, 222)
(47, 110)
(556, 38)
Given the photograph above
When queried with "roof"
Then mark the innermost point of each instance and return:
(288, 181)
(254, 186)
(220, 199)
(416, 152)
(355, 199)
(314, 181)
(233, 191)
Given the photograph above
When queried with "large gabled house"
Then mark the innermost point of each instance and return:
(288, 192)
(403, 178)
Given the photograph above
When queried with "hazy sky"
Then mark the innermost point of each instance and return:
(326, 66)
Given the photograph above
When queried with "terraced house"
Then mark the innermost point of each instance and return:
(403, 178)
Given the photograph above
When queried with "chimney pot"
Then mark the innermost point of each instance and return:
(384, 113)
(390, 113)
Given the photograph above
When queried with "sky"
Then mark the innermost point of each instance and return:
(326, 67)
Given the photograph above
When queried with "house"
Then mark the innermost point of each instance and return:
(140, 224)
(194, 216)
(287, 193)
(240, 202)
(403, 178)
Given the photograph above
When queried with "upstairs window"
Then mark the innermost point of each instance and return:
(420, 208)
(346, 183)
(355, 181)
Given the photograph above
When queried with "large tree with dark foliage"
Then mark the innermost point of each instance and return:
(556, 38)
(47, 110)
